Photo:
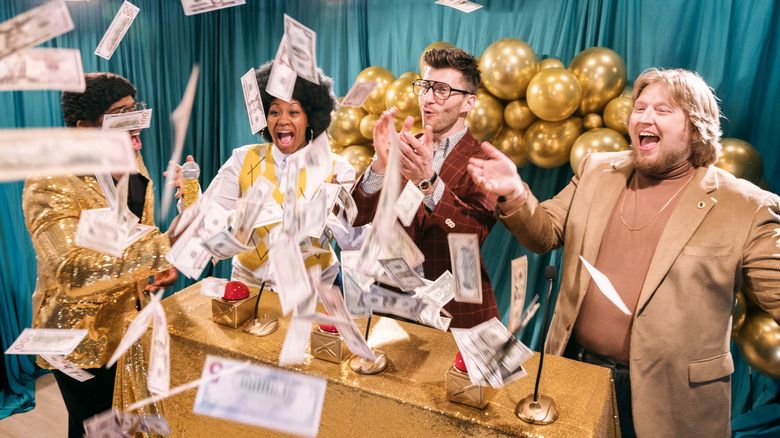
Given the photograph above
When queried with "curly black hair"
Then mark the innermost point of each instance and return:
(317, 100)
(103, 90)
(457, 59)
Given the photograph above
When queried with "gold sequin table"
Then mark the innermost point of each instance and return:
(406, 400)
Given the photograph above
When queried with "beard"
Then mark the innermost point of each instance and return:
(660, 165)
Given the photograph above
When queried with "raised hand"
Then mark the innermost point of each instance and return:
(497, 173)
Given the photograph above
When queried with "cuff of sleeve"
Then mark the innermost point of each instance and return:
(432, 200)
(372, 182)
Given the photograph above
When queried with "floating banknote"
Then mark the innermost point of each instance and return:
(466, 268)
(289, 272)
(224, 245)
(115, 424)
(43, 69)
(46, 341)
(117, 30)
(402, 274)
(461, 5)
(66, 367)
(99, 230)
(301, 49)
(262, 396)
(386, 301)
(318, 163)
(63, 151)
(137, 328)
(253, 101)
(281, 81)
(250, 206)
(192, 7)
(519, 276)
(34, 27)
(339, 316)
(131, 121)
(408, 203)
(358, 94)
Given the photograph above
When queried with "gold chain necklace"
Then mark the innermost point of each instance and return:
(625, 195)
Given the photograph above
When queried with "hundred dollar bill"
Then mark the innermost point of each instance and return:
(290, 220)
(66, 367)
(318, 163)
(262, 396)
(224, 245)
(131, 121)
(192, 7)
(301, 48)
(98, 230)
(213, 287)
(253, 101)
(491, 353)
(289, 272)
(115, 423)
(117, 30)
(337, 309)
(386, 301)
(314, 216)
(250, 206)
(461, 5)
(519, 276)
(43, 69)
(47, 341)
(402, 274)
(33, 27)
(440, 291)
(63, 151)
(358, 94)
(408, 203)
(137, 328)
(281, 81)
(159, 379)
(466, 269)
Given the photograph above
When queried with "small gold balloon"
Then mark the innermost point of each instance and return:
(507, 67)
(759, 342)
(400, 95)
(602, 76)
(592, 121)
(375, 103)
(510, 142)
(359, 157)
(345, 126)
(549, 143)
(616, 113)
(517, 114)
(738, 314)
(335, 146)
(550, 63)
(437, 45)
(553, 94)
(486, 118)
(596, 140)
(367, 125)
(741, 159)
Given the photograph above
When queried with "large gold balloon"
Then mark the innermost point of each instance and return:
(759, 342)
(486, 118)
(336, 146)
(550, 63)
(616, 113)
(602, 75)
(738, 314)
(596, 140)
(400, 95)
(741, 159)
(510, 142)
(375, 103)
(549, 143)
(359, 157)
(367, 125)
(507, 67)
(437, 45)
(592, 121)
(553, 94)
(517, 115)
(345, 126)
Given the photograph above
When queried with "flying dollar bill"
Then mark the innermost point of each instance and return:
(117, 30)
(281, 81)
(466, 268)
(253, 101)
(461, 5)
(43, 69)
(192, 7)
(301, 48)
(131, 121)
(358, 94)
(34, 27)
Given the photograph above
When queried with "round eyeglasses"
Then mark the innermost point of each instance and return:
(138, 106)
(441, 90)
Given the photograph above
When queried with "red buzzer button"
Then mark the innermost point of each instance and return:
(459, 364)
(235, 290)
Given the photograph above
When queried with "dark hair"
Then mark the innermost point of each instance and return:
(317, 100)
(457, 59)
(103, 90)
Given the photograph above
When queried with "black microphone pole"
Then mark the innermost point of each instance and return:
(535, 409)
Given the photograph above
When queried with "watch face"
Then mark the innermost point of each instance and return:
(424, 185)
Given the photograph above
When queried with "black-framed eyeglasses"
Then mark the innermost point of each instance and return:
(138, 106)
(441, 90)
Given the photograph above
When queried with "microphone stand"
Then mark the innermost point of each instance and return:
(535, 408)
(261, 326)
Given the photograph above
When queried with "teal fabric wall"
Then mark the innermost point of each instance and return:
(733, 44)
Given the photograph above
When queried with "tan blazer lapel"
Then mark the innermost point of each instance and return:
(695, 203)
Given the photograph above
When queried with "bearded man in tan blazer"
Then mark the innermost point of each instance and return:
(676, 236)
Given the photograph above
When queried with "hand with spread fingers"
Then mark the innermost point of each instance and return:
(416, 154)
(497, 173)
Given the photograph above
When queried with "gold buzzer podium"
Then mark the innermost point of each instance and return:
(406, 399)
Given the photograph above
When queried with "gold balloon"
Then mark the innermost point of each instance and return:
(741, 159)
(367, 125)
(738, 314)
(759, 342)
(592, 121)
(553, 94)
(507, 67)
(616, 113)
(359, 157)
(517, 115)
(375, 103)
(437, 45)
(345, 126)
(596, 140)
(550, 63)
(336, 146)
(549, 143)
(510, 142)
(400, 95)
(486, 118)
(602, 76)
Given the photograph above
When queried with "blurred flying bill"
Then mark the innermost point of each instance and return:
(131, 121)
(253, 101)
(34, 27)
(117, 30)
(301, 48)
(43, 69)
(192, 7)
(461, 5)
(466, 268)
(63, 151)
(281, 81)
(358, 93)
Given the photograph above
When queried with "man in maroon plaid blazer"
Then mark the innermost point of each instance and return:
(436, 162)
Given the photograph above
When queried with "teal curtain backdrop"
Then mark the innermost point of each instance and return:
(733, 44)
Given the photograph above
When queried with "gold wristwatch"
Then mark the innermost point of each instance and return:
(426, 184)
